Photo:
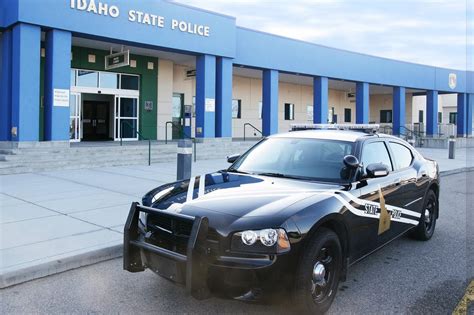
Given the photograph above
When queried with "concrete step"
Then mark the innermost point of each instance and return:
(37, 159)
(105, 155)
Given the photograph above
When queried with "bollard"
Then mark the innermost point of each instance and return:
(452, 148)
(185, 152)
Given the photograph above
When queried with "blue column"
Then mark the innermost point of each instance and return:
(320, 100)
(205, 96)
(57, 77)
(362, 102)
(469, 115)
(431, 113)
(398, 109)
(270, 102)
(224, 98)
(461, 116)
(26, 40)
(5, 87)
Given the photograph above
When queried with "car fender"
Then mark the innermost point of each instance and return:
(327, 213)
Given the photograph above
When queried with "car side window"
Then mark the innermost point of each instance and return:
(376, 152)
(401, 155)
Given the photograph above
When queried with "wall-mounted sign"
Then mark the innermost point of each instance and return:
(452, 80)
(145, 18)
(210, 105)
(148, 106)
(117, 60)
(61, 97)
(190, 73)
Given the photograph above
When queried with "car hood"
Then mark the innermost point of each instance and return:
(238, 195)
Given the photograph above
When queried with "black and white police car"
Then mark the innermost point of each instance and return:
(292, 213)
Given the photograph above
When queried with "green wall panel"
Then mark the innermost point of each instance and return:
(148, 82)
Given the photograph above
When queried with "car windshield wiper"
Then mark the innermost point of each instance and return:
(281, 175)
(234, 170)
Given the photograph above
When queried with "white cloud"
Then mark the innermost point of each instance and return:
(422, 31)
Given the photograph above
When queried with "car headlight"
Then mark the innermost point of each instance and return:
(268, 241)
(249, 237)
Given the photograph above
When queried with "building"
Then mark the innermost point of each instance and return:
(88, 70)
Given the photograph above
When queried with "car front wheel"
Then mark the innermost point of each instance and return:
(318, 273)
(426, 226)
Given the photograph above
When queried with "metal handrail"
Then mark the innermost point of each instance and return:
(405, 133)
(181, 133)
(138, 134)
(416, 135)
(254, 128)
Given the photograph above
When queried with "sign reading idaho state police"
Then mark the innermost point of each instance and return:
(135, 16)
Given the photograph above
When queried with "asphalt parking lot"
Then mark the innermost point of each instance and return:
(404, 277)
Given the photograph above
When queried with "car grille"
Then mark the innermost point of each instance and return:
(173, 233)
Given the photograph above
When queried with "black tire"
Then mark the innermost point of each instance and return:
(426, 226)
(310, 294)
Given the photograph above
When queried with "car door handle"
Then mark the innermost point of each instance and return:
(397, 182)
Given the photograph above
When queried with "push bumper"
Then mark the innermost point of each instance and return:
(195, 260)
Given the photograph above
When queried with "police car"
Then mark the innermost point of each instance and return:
(292, 213)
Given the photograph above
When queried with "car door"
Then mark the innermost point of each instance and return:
(367, 228)
(412, 184)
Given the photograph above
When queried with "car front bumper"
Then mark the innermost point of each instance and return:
(199, 269)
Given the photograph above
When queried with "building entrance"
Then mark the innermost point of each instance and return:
(103, 106)
(95, 120)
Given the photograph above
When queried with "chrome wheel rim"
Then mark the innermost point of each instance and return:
(429, 214)
(322, 275)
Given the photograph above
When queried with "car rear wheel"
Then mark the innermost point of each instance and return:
(426, 226)
(318, 273)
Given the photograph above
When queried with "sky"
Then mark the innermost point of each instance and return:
(432, 32)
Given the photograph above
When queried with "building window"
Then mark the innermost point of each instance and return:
(453, 118)
(386, 116)
(289, 111)
(73, 77)
(440, 118)
(309, 112)
(347, 115)
(87, 78)
(109, 80)
(236, 108)
(420, 116)
(129, 82)
(332, 117)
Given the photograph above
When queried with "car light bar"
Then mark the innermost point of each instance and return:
(370, 128)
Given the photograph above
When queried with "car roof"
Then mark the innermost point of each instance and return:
(340, 135)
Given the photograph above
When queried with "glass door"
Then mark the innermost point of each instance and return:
(126, 118)
(177, 116)
(75, 117)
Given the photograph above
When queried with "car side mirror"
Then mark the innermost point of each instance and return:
(351, 165)
(351, 162)
(232, 158)
(376, 170)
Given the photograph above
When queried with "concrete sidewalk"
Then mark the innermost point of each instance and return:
(56, 221)
(59, 220)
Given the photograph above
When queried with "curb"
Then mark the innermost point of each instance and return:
(89, 258)
(456, 171)
(60, 265)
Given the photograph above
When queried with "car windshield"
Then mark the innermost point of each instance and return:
(311, 159)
